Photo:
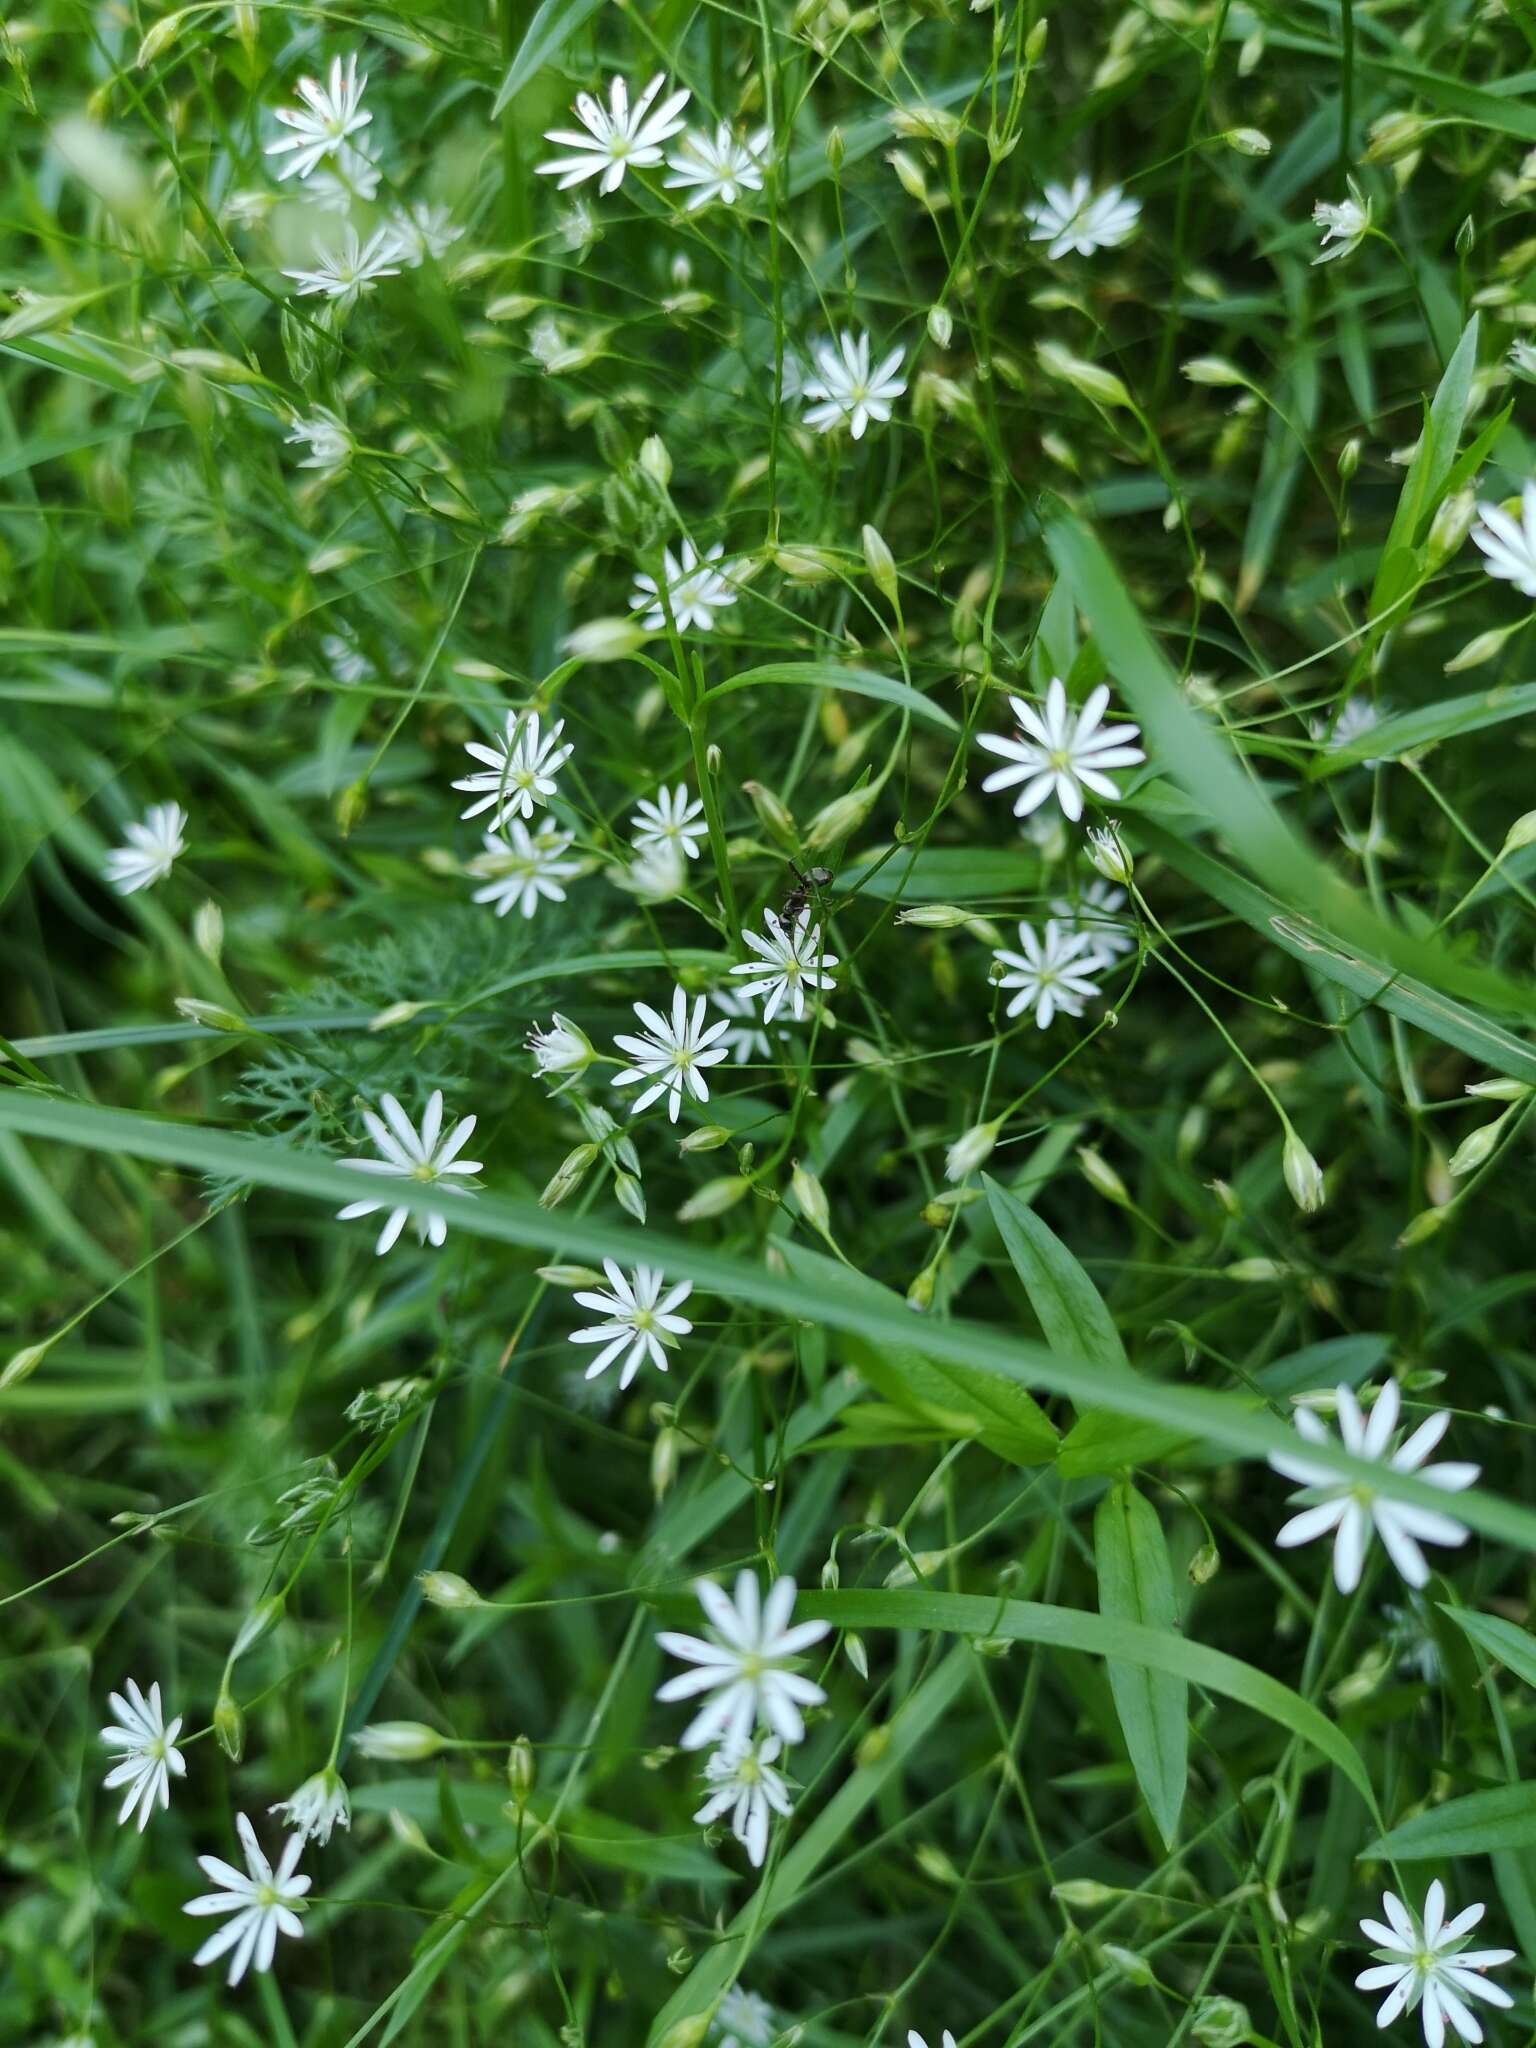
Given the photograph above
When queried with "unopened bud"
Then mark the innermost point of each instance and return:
(1349, 457)
(397, 1742)
(1422, 1226)
(212, 1016)
(831, 1576)
(858, 1656)
(520, 1770)
(1521, 833)
(568, 1176)
(841, 818)
(1134, 1968)
(1247, 141)
(909, 175)
(265, 1615)
(880, 563)
(1452, 522)
(714, 1198)
(1086, 1893)
(1102, 386)
(629, 1195)
(22, 1364)
(811, 1199)
(571, 1276)
(972, 1149)
(805, 565)
(229, 1726)
(208, 931)
(921, 1289)
(605, 640)
(707, 1138)
(1502, 1089)
(941, 326)
(665, 1458)
(1303, 1175)
(396, 1014)
(655, 460)
(447, 1589)
(1220, 2023)
(1477, 1146)
(1213, 370)
(935, 917)
(772, 811)
(1255, 1272)
(1204, 1565)
(1482, 647)
(1102, 1177)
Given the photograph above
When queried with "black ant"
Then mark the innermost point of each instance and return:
(805, 887)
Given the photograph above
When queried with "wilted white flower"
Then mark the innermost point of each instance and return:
(520, 769)
(675, 818)
(151, 851)
(327, 438)
(424, 1156)
(147, 1757)
(844, 387)
(740, 1780)
(615, 138)
(1508, 543)
(745, 1035)
(745, 1663)
(717, 167)
(1074, 217)
(422, 229)
(640, 1320)
(330, 113)
(1061, 751)
(744, 2020)
(671, 1054)
(261, 1904)
(563, 1049)
(695, 589)
(522, 868)
(788, 963)
(351, 268)
(1098, 912)
(320, 1805)
(1344, 226)
(1353, 1509)
(1055, 971)
(1426, 1965)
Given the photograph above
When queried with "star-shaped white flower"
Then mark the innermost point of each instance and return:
(1427, 1965)
(1510, 544)
(640, 1320)
(741, 1781)
(147, 1754)
(1074, 217)
(350, 176)
(351, 268)
(564, 1048)
(1354, 1510)
(788, 963)
(153, 846)
(1357, 715)
(745, 1035)
(330, 113)
(320, 1805)
(520, 769)
(615, 138)
(674, 817)
(422, 229)
(671, 1054)
(695, 589)
(261, 1904)
(844, 387)
(1054, 971)
(409, 1154)
(1061, 752)
(1098, 912)
(718, 167)
(1344, 226)
(523, 869)
(327, 438)
(744, 2019)
(745, 1663)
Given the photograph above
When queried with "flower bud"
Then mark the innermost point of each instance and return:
(571, 1276)
(229, 1726)
(707, 1138)
(1501, 1089)
(447, 1589)
(605, 640)
(208, 931)
(1477, 1147)
(1349, 457)
(1204, 1565)
(841, 818)
(972, 1149)
(1086, 1893)
(941, 326)
(1102, 386)
(1110, 854)
(212, 1016)
(1453, 521)
(714, 1198)
(1422, 1227)
(665, 1458)
(1126, 1963)
(1102, 1177)
(804, 565)
(568, 1176)
(1247, 141)
(22, 1364)
(521, 1770)
(880, 563)
(909, 176)
(629, 1194)
(831, 1576)
(266, 1614)
(655, 461)
(397, 1013)
(1214, 370)
(857, 1655)
(772, 812)
(1303, 1175)
(920, 1290)
(1255, 1272)
(935, 917)
(1481, 647)
(398, 1742)
(811, 1198)
(1220, 2022)
(1521, 833)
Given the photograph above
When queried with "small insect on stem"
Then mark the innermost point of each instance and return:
(806, 886)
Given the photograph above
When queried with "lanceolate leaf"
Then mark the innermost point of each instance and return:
(830, 675)
(1478, 1825)
(1071, 1310)
(1136, 1585)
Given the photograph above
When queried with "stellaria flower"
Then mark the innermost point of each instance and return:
(915, 2040)
(844, 387)
(351, 268)
(320, 1805)
(671, 1054)
(1356, 716)
(1098, 912)
(351, 175)
(746, 1037)
(147, 1757)
(327, 438)
(1074, 217)
(261, 1904)
(520, 769)
(1061, 752)
(674, 817)
(1354, 1509)
(695, 589)
(409, 1154)
(640, 1320)
(745, 1663)
(615, 138)
(1054, 971)
(789, 962)
(151, 851)
(718, 167)
(330, 113)
(423, 228)
(563, 1049)
(1510, 543)
(743, 2019)
(1426, 1965)
(523, 869)
(740, 1780)
(1344, 225)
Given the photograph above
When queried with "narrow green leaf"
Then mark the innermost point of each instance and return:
(945, 874)
(831, 675)
(1407, 731)
(1071, 1310)
(1476, 1825)
(553, 25)
(1514, 1648)
(1130, 1554)
(1433, 460)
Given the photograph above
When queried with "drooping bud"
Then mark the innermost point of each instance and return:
(521, 1770)
(1477, 1147)
(229, 1726)
(1303, 1175)
(568, 1176)
(971, 1150)
(714, 1198)
(880, 563)
(447, 1589)
(605, 640)
(1102, 1177)
(811, 1198)
(398, 1742)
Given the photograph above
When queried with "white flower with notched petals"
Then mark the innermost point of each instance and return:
(616, 138)
(1098, 912)
(563, 1049)
(153, 846)
(1509, 544)
(522, 869)
(745, 1035)
(843, 387)
(520, 769)
(1357, 716)
(657, 874)
(740, 1780)
(408, 1154)
(1054, 971)
(1353, 1509)
(1061, 752)
(423, 229)
(673, 818)
(147, 1756)
(1427, 1965)
(261, 1902)
(351, 268)
(1075, 217)
(671, 1054)
(915, 2040)
(330, 113)
(745, 1663)
(744, 2020)
(695, 590)
(718, 167)
(640, 1320)
(320, 1805)
(788, 963)
(327, 438)
(1344, 225)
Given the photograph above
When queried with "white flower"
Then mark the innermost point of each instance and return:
(151, 851)
(671, 1053)
(523, 868)
(353, 267)
(657, 874)
(1055, 971)
(744, 2020)
(846, 388)
(327, 438)
(1061, 751)
(915, 2040)
(639, 1317)
(563, 1049)
(423, 229)
(793, 961)
(1510, 544)
(741, 1781)
(745, 1036)
(617, 137)
(1357, 715)
(331, 112)
(260, 1906)
(695, 589)
(411, 1155)
(352, 176)
(520, 769)
(1098, 911)
(148, 1757)
(674, 818)
(1072, 217)
(348, 662)
(717, 167)
(1522, 358)
(1426, 1965)
(1354, 1509)
(1344, 226)
(319, 1805)
(744, 1664)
